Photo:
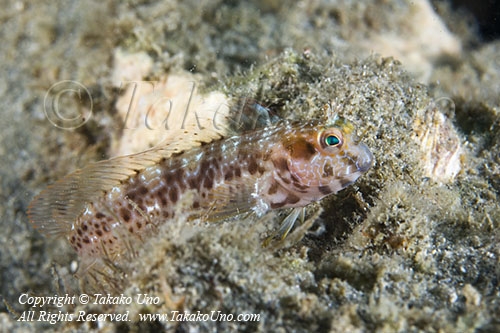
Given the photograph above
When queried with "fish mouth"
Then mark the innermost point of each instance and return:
(365, 158)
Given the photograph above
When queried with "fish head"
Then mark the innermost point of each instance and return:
(323, 159)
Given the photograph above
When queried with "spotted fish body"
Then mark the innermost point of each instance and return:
(102, 207)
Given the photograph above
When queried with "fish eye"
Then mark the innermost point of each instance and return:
(332, 140)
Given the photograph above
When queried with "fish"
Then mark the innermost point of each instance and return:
(99, 209)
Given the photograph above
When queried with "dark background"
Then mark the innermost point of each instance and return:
(486, 14)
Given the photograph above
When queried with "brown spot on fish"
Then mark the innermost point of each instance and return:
(292, 199)
(327, 171)
(205, 164)
(252, 166)
(125, 214)
(228, 175)
(142, 190)
(140, 204)
(324, 190)
(237, 172)
(276, 205)
(285, 179)
(167, 177)
(301, 149)
(214, 163)
(179, 176)
(132, 195)
(273, 188)
(300, 187)
(209, 179)
(173, 195)
(161, 194)
(192, 183)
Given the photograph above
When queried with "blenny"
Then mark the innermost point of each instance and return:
(103, 206)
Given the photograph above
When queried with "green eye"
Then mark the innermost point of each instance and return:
(332, 140)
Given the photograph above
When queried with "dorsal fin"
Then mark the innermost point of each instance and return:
(56, 208)
(247, 115)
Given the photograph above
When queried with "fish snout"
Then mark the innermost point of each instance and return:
(365, 158)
